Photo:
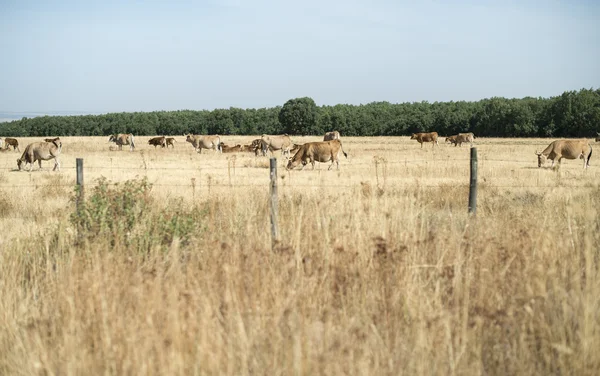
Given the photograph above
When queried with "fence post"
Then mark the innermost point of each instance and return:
(79, 164)
(473, 183)
(273, 185)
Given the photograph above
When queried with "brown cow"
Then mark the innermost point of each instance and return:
(51, 139)
(41, 151)
(9, 141)
(158, 141)
(230, 149)
(204, 142)
(170, 142)
(426, 137)
(312, 152)
(334, 135)
(122, 139)
(280, 142)
(569, 149)
(460, 138)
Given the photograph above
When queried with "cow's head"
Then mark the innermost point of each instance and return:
(20, 163)
(112, 138)
(541, 158)
(188, 138)
(414, 136)
(293, 163)
(448, 139)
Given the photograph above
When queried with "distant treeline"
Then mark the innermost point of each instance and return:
(572, 114)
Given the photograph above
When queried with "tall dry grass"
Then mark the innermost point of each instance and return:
(379, 269)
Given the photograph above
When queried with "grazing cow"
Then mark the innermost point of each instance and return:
(41, 151)
(460, 138)
(426, 137)
(158, 141)
(230, 149)
(122, 139)
(280, 142)
(204, 142)
(260, 146)
(312, 152)
(569, 149)
(51, 139)
(334, 135)
(170, 142)
(9, 141)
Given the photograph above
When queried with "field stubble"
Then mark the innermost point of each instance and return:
(379, 269)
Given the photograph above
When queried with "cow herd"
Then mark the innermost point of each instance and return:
(327, 150)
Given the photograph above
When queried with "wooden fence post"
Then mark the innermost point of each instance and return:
(273, 185)
(473, 183)
(79, 201)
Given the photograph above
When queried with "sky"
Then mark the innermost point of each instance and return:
(120, 55)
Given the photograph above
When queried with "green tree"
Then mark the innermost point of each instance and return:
(299, 116)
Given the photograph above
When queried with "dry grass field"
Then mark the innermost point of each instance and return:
(168, 267)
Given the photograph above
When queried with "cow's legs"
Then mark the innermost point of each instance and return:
(56, 164)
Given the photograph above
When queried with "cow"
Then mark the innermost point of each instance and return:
(9, 141)
(41, 151)
(334, 135)
(259, 146)
(51, 139)
(122, 139)
(170, 141)
(230, 149)
(460, 138)
(158, 141)
(426, 137)
(280, 142)
(312, 152)
(569, 149)
(204, 142)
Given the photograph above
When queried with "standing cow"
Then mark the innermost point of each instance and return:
(9, 141)
(41, 151)
(170, 141)
(312, 152)
(204, 142)
(333, 135)
(569, 149)
(122, 139)
(280, 142)
(158, 141)
(426, 137)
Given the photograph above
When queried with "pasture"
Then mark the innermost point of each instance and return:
(379, 269)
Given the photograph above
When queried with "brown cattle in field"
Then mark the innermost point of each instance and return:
(200, 142)
(41, 151)
(425, 137)
(312, 152)
(260, 146)
(230, 149)
(334, 135)
(460, 138)
(569, 149)
(158, 141)
(9, 141)
(51, 139)
(280, 142)
(170, 141)
(122, 139)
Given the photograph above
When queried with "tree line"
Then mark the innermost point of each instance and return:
(572, 114)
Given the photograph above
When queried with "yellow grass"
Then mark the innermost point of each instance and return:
(378, 270)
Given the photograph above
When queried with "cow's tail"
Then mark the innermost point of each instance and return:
(341, 148)
(589, 156)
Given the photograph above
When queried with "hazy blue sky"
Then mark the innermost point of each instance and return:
(119, 55)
